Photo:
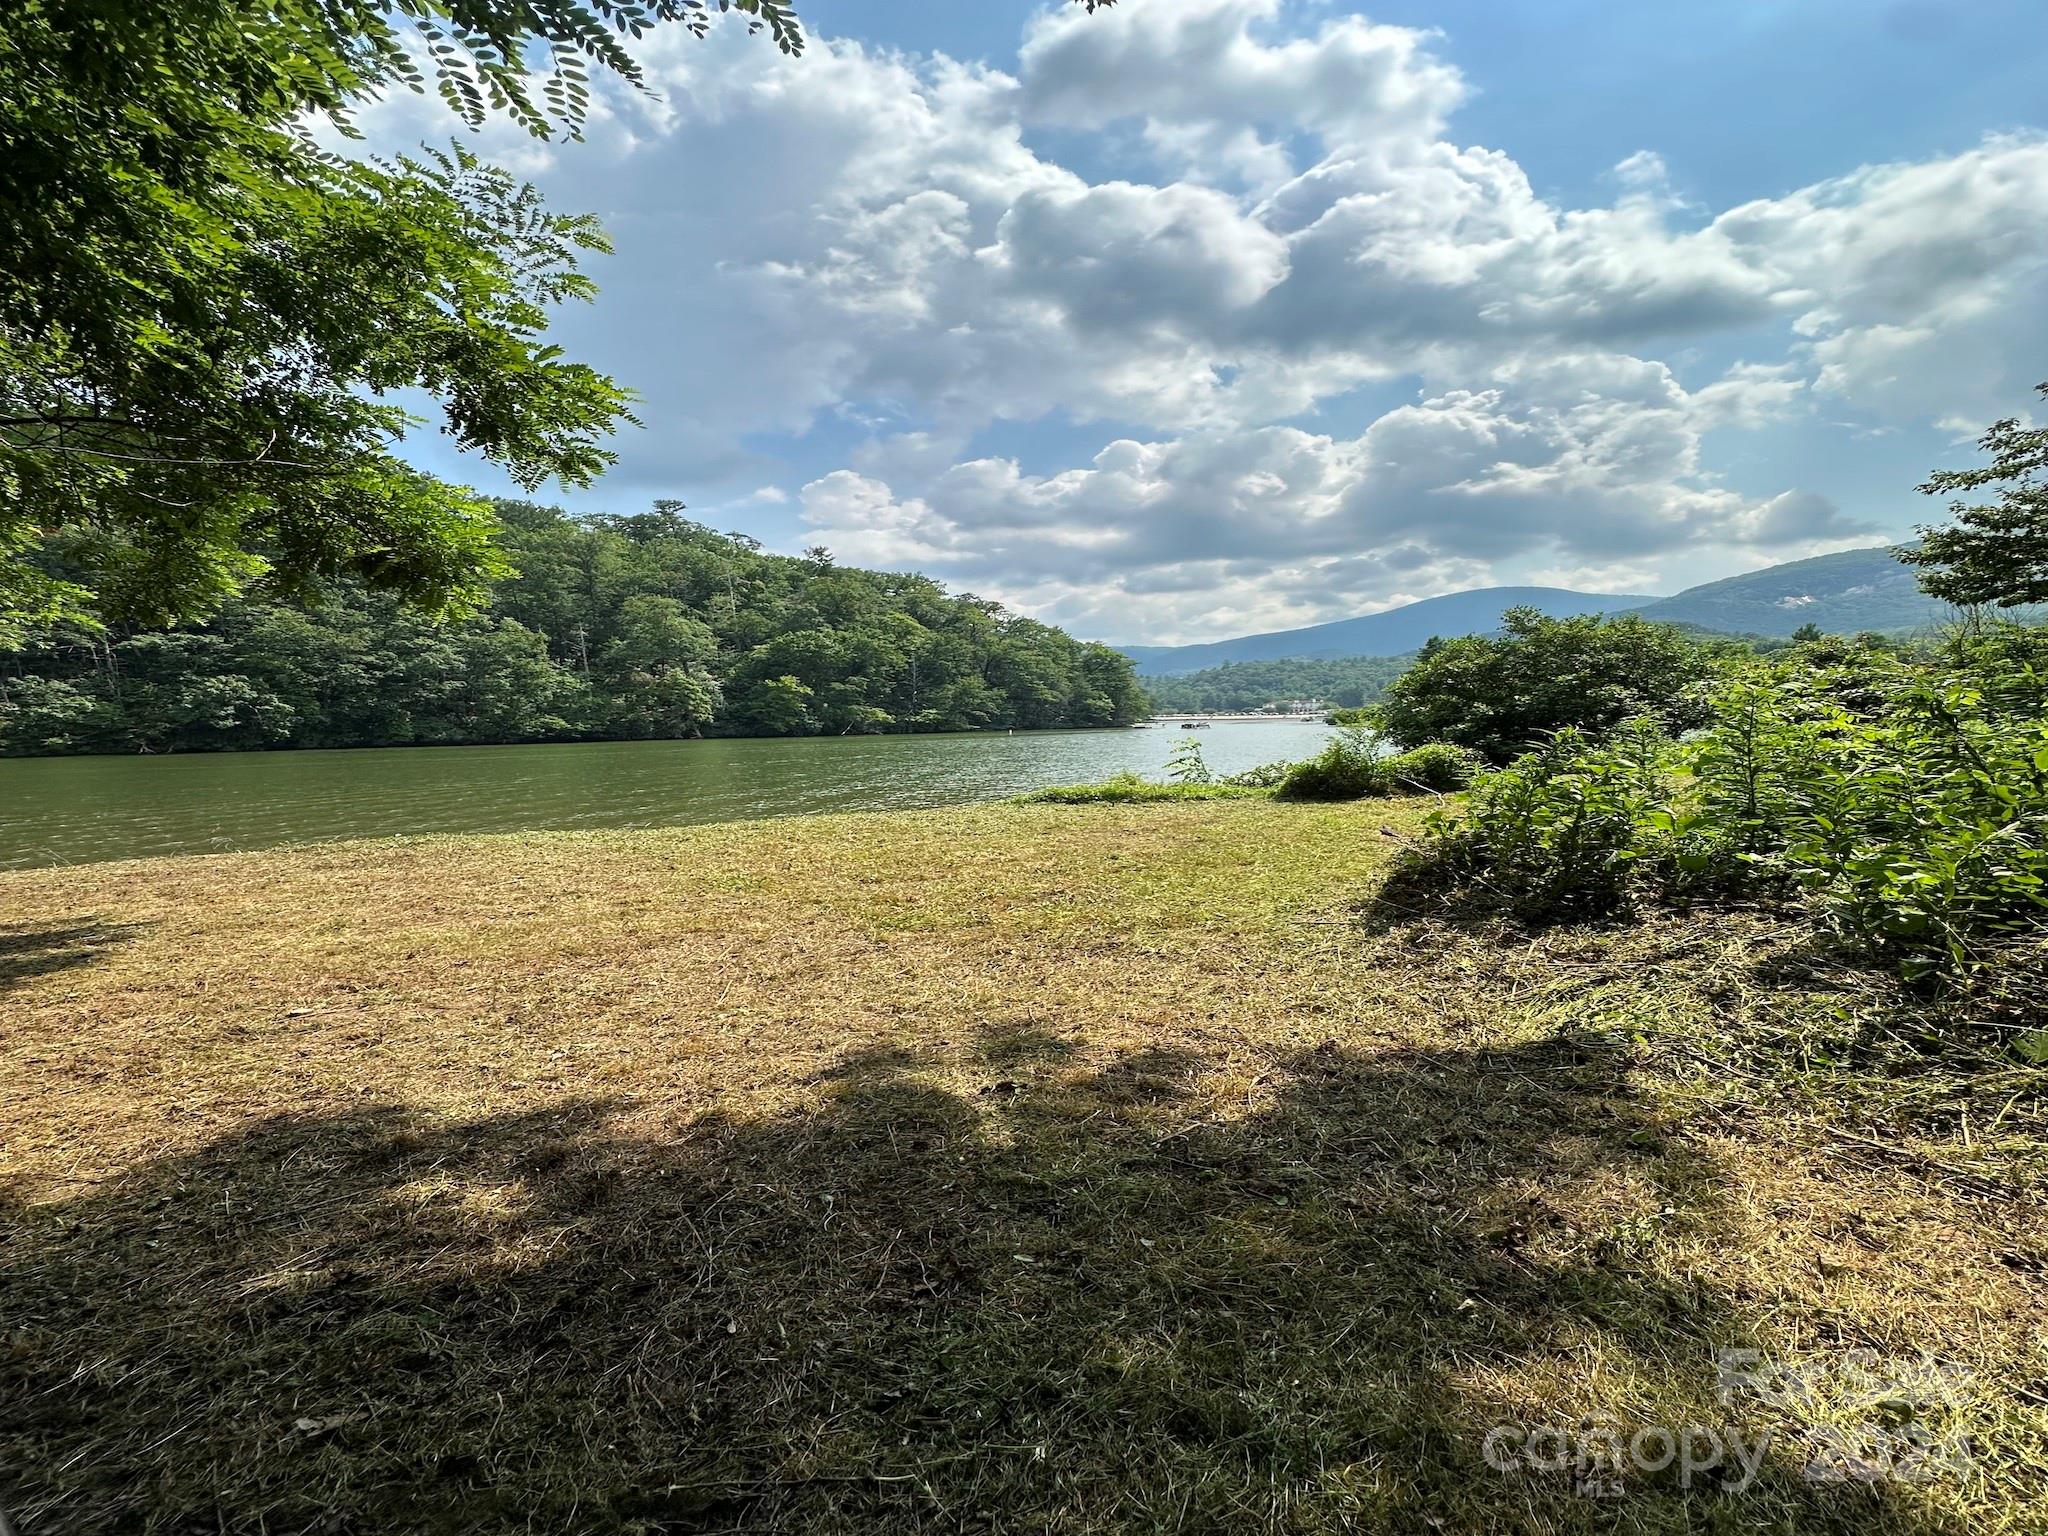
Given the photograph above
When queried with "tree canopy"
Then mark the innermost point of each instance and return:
(205, 318)
(1996, 552)
(640, 626)
(1501, 694)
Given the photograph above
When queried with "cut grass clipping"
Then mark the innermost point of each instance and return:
(1040, 1169)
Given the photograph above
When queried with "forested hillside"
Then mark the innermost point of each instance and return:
(1347, 681)
(614, 627)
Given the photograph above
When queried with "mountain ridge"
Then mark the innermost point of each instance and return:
(1848, 591)
(1387, 633)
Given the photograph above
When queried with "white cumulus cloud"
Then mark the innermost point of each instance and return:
(881, 243)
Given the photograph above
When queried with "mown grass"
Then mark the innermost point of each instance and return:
(1072, 1168)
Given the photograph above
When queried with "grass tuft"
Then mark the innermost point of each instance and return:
(1129, 789)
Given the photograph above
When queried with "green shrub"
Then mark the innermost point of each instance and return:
(1560, 831)
(1436, 766)
(1185, 764)
(1924, 835)
(1504, 695)
(1907, 797)
(1723, 835)
(1356, 766)
(2008, 661)
(1189, 778)
(1264, 776)
(1351, 767)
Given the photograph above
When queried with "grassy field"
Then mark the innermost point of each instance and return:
(1048, 1168)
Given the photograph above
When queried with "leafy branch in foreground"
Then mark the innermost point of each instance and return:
(251, 443)
(204, 317)
(1995, 552)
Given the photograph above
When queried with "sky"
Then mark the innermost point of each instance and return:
(1190, 318)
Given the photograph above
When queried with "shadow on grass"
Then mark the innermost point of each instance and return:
(1072, 1299)
(30, 952)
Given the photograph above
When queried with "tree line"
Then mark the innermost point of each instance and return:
(1347, 681)
(619, 627)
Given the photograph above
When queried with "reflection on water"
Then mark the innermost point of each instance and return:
(65, 810)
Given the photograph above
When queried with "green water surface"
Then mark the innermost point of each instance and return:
(69, 810)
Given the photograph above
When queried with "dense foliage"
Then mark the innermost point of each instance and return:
(1500, 694)
(1994, 552)
(1356, 766)
(1238, 686)
(205, 317)
(1905, 794)
(638, 626)
(1900, 790)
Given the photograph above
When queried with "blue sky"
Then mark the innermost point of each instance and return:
(1193, 318)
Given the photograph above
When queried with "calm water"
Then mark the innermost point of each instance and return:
(68, 810)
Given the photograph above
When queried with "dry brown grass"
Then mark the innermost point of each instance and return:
(1021, 1168)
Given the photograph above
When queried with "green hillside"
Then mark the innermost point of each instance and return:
(646, 626)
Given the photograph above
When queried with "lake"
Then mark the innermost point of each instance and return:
(74, 809)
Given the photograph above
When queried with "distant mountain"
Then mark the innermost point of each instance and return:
(1857, 589)
(1380, 634)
